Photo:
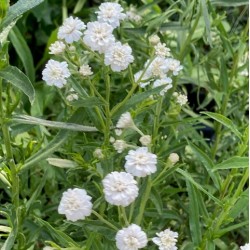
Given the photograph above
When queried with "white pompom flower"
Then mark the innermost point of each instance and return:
(140, 162)
(118, 56)
(131, 238)
(245, 247)
(85, 70)
(161, 50)
(173, 65)
(166, 240)
(57, 48)
(164, 81)
(120, 188)
(75, 204)
(110, 13)
(120, 145)
(145, 140)
(181, 99)
(174, 158)
(125, 121)
(98, 36)
(55, 73)
(71, 30)
(154, 39)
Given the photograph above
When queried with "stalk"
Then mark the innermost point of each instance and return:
(144, 200)
(104, 221)
(10, 162)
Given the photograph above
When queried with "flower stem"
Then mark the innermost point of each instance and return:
(104, 221)
(124, 215)
(144, 201)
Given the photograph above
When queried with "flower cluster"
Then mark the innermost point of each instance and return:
(160, 68)
(97, 36)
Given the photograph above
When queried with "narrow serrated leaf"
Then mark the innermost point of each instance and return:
(17, 78)
(17, 10)
(23, 52)
(194, 215)
(233, 162)
(224, 121)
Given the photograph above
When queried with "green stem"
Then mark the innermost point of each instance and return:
(10, 161)
(131, 212)
(107, 106)
(157, 120)
(124, 215)
(144, 201)
(104, 221)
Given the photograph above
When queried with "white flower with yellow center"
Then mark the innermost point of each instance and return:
(75, 204)
(131, 238)
(110, 13)
(140, 162)
(118, 56)
(166, 240)
(55, 73)
(98, 36)
(71, 30)
(120, 188)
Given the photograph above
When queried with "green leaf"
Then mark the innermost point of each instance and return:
(223, 75)
(23, 52)
(194, 215)
(25, 119)
(61, 163)
(17, 10)
(224, 121)
(79, 5)
(58, 235)
(229, 3)
(10, 241)
(233, 162)
(19, 80)
(135, 99)
(197, 185)
(207, 22)
(208, 164)
(231, 228)
(4, 6)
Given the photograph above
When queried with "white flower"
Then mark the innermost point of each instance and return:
(110, 13)
(57, 47)
(145, 140)
(120, 145)
(245, 247)
(144, 79)
(71, 97)
(125, 121)
(161, 50)
(55, 73)
(154, 39)
(70, 31)
(98, 36)
(75, 204)
(182, 99)
(166, 240)
(118, 131)
(118, 56)
(173, 157)
(158, 67)
(165, 81)
(120, 188)
(85, 70)
(131, 238)
(132, 15)
(173, 65)
(49, 248)
(140, 162)
(111, 139)
(98, 153)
